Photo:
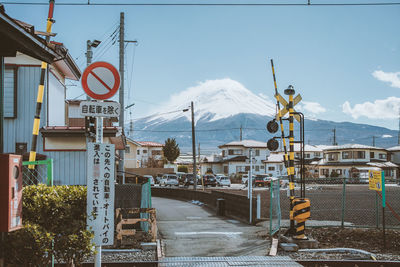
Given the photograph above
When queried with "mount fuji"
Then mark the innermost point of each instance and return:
(224, 106)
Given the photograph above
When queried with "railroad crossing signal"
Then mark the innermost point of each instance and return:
(285, 105)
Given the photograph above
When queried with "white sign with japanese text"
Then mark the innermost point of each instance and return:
(100, 192)
(99, 109)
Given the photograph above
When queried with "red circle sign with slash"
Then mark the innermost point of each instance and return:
(100, 80)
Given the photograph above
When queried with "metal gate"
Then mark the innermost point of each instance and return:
(275, 207)
(41, 174)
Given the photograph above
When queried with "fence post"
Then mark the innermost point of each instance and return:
(50, 172)
(376, 210)
(343, 200)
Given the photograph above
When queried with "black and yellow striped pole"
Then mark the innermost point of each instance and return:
(301, 213)
(39, 100)
(285, 158)
(290, 92)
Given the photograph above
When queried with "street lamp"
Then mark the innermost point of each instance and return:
(193, 146)
(89, 53)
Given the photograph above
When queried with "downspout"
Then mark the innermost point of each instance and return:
(1, 104)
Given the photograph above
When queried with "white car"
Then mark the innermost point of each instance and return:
(223, 181)
(151, 179)
(169, 179)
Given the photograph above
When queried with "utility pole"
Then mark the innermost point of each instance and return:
(398, 134)
(334, 137)
(250, 184)
(121, 88)
(373, 140)
(194, 148)
(198, 151)
(241, 132)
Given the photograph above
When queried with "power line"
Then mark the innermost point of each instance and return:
(207, 4)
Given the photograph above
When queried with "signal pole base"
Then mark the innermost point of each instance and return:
(301, 243)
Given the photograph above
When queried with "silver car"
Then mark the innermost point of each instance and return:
(169, 179)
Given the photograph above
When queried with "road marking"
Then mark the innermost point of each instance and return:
(193, 218)
(228, 234)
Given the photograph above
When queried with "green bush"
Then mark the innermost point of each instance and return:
(52, 213)
(183, 168)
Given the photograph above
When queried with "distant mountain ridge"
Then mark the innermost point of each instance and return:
(223, 106)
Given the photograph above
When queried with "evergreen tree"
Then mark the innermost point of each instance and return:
(171, 150)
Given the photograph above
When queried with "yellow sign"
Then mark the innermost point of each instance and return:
(375, 180)
(285, 109)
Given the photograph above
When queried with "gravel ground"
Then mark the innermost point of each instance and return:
(110, 257)
(143, 255)
(366, 239)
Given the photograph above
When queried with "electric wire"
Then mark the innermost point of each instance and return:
(209, 4)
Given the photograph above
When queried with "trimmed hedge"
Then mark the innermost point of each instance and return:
(50, 215)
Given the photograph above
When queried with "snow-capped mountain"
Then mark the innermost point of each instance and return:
(213, 100)
(223, 106)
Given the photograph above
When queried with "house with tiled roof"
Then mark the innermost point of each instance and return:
(351, 159)
(143, 154)
(274, 164)
(236, 157)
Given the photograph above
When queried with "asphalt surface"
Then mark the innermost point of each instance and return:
(187, 229)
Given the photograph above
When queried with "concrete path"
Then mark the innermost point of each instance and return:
(191, 230)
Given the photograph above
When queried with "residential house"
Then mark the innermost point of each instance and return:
(348, 160)
(274, 164)
(131, 159)
(394, 156)
(15, 38)
(150, 154)
(211, 164)
(235, 157)
(65, 144)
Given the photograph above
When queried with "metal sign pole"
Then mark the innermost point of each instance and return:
(250, 184)
(99, 139)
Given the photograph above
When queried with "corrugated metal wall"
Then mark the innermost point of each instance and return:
(69, 167)
(20, 129)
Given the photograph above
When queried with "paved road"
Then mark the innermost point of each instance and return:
(191, 230)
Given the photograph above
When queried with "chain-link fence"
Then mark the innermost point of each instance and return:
(347, 203)
(41, 173)
(275, 208)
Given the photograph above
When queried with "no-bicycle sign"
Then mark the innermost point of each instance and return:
(100, 80)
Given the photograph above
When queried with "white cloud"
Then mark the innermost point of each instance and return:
(312, 107)
(387, 136)
(380, 109)
(392, 77)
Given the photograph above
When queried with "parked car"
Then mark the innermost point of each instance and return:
(169, 179)
(151, 179)
(223, 181)
(188, 180)
(262, 181)
(209, 179)
(245, 179)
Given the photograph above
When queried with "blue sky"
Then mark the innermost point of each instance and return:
(338, 58)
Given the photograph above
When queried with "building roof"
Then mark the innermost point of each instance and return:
(274, 157)
(150, 144)
(16, 37)
(352, 146)
(237, 159)
(132, 141)
(246, 143)
(395, 148)
(74, 131)
(386, 164)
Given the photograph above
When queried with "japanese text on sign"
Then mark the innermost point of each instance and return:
(100, 192)
(375, 180)
(99, 109)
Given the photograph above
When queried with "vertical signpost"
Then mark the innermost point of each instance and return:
(377, 183)
(100, 81)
